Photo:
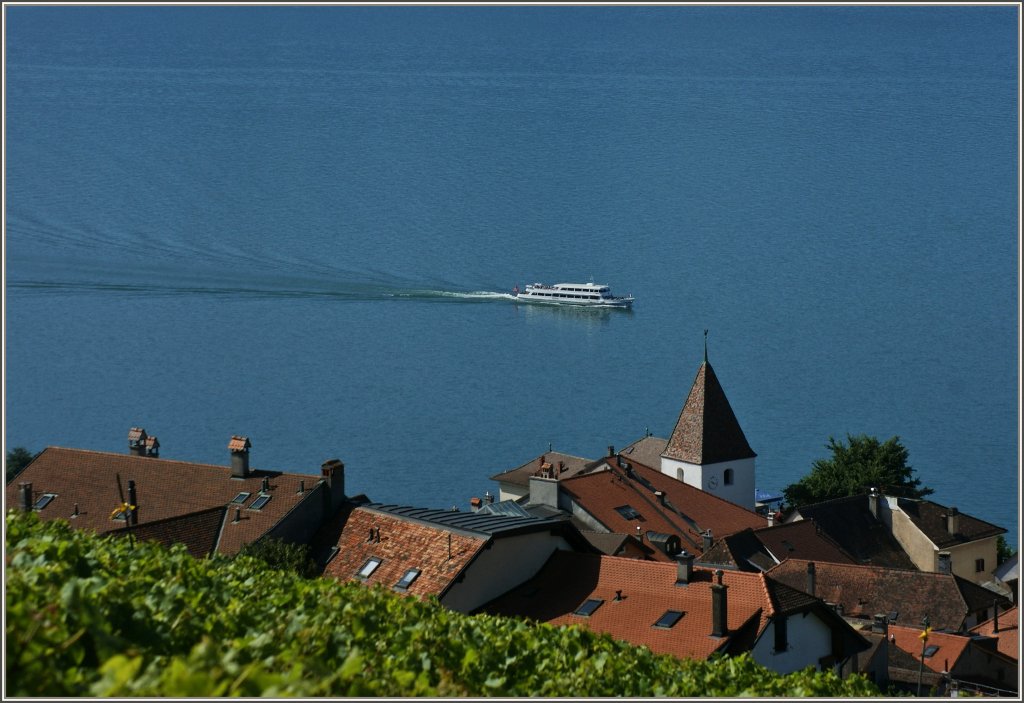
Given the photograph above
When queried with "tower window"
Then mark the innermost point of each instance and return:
(728, 477)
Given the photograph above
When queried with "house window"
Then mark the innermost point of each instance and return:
(240, 498)
(728, 477)
(407, 579)
(930, 650)
(369, 567)
(588, 607)
(979, 565)
(628, 512)
(781, 634)
(670, 618)
(44, 500)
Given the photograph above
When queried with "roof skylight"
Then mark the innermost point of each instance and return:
(240, 498)
(369, 567)
(628, 512)
(262, 500)
(407, 579)
(588, 607)
(930, 650)
(670, 618)
(44, 500)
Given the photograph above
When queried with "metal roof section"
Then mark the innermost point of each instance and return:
(474, 523)
(508, 508)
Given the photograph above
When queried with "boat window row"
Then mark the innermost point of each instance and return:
(566, 295)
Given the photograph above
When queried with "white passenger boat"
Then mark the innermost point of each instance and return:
(587, 294)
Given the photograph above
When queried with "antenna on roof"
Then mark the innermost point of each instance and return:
(705, 346)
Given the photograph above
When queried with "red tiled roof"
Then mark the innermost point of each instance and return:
(136, 434)
(238, 444)
(707, 431)
(689, 511)
(950, 646)
(648, 590)
(864, 591)
(440, 554)
(197, 531)
(1008, 636)
(802, 540)
(165, 489)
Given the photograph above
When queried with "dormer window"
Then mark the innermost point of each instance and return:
(44, 500)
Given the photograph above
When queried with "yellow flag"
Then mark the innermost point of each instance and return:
(924, 635)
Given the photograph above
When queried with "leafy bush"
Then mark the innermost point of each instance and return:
(92, 616)
(278, 554)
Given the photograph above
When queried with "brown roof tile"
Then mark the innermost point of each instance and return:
(440, 554)
(930, 518)
(198, 531)
(648, 590)
(238, 444)
(165, 489)
(707, 431)
(864, 591)
(568, 464)
(849, 522)
(950, 646)
(1008, 635)
(687, 513)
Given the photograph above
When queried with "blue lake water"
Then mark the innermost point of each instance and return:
(295, 223)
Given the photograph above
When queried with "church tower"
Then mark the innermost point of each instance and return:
(708, 449)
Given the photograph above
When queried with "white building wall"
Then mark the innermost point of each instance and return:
(711, 478)
(809, 640)
(509, 562)
(508, 491)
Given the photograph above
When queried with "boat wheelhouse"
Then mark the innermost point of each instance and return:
(586, 294)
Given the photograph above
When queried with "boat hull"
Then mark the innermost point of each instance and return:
(612, 303)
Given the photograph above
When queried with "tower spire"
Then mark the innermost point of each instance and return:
(705, 346)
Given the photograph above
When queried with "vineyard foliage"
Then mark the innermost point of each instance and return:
(88, 616)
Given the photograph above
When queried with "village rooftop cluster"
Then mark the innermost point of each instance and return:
(660, 544)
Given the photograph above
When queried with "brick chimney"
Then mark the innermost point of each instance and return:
(719, 607)
(945, 563)
(25, 496)
(137, 441)
(811, 581)
(239, 448)
(953, 521)
(133, 500)
(684, 568)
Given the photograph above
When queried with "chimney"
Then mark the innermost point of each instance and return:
(25, 496)
(611, 450)
(332, 473)
(152, 446)
(707, 539)
(265, 484)
(771, 519)
(881, 625)
(133, 501)
(995, 617)
(137, 441)
(660, 495)
(684, 568)
(238, 515)
(474, 504)
(953, 521)
(810, 578)
(873, 502)
(719, 607)
(945, 563)
(618, 595)
(488, 498)
(239, 448)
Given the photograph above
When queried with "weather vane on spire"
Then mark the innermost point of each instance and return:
(705, 346)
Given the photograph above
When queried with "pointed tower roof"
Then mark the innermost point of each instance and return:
(707, 431)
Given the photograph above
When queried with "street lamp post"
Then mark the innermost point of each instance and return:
(924, 645)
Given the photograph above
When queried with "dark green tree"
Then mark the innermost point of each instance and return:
(17, 459)
(281, 555)
(854, 468)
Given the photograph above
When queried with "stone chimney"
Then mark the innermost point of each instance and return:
(945, 563)
(137, 441)
(239, 448)
(953, 521)
(811, 581)
(707, 539)
(719, 607)
(25, 496)
(873, 502)
(133, 501)
(684, 568)
(543, 491)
